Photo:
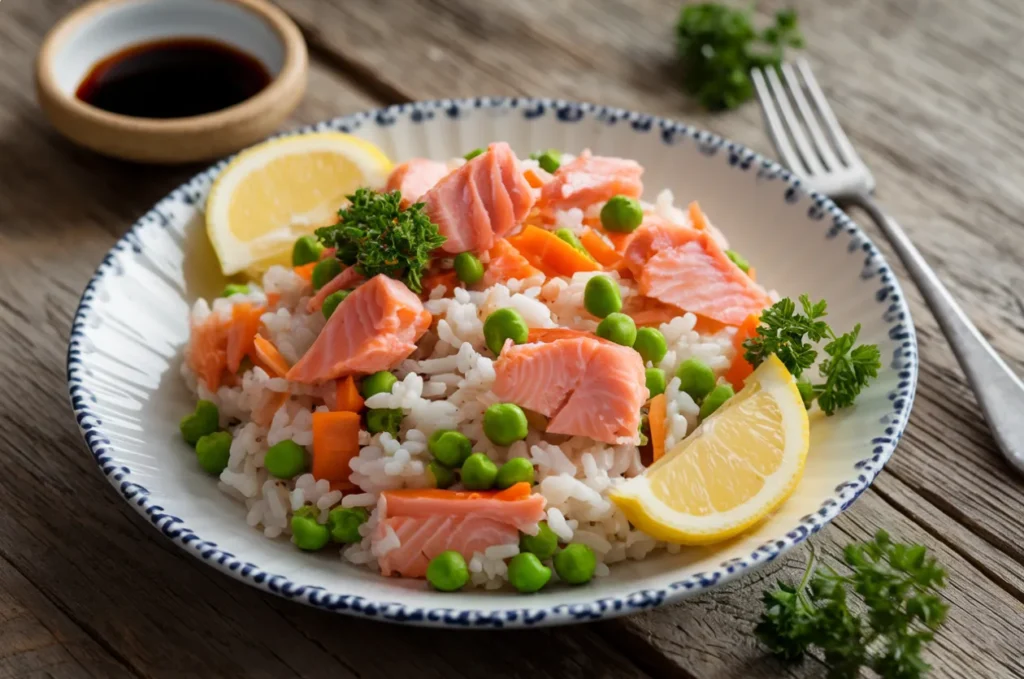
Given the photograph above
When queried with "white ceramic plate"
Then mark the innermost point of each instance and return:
(126, 342)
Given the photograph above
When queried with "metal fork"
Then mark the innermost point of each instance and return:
(813, 145)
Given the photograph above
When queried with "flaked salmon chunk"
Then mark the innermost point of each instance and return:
(373, 329)
(588, 387)
(686, 268)
(481, 201)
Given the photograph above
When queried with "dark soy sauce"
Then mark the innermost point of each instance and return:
(173, 78)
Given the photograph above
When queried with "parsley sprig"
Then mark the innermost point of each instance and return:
(718, 45)
(898, 584)
(791, 335)
(377, 236)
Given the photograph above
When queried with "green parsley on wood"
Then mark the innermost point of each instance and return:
(377, 236)
(898, 585)
(718, 45)
(791, 335)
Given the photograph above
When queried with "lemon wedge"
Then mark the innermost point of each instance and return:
(276, 191)
(735, 469)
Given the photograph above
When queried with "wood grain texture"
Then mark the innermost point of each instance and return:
(929, 93)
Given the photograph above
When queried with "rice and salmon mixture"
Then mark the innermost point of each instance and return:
(358, 472)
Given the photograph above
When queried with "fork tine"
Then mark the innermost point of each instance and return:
(821, 142)
(811, 160)
(789, 157)
(843, 144)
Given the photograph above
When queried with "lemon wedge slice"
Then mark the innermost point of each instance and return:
(276, 191)
(735, 469)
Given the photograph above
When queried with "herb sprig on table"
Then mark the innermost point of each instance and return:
(899, 585)
(377, 236)
(718, 45)
(790, 335)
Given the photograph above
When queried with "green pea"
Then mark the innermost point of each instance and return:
(713, 401)
(451, 448)
(213, 451)
(527, 574)
(651, 345)
(473, 154)
(549, 160)
(379, 382)
(806, 390)
(344, 522)
(695, 378)
(739, 260)
(543, 544)
(601, 296)
(332, 301)
(516, 470)
(569, 237)
(655, 381)
(621, 214)
(325, 271)
(502, 325)
(448, 571)
(441, 475)
(643, 428)
(468, 268)
(307, 249)
(307, 534)
(505, 423)
(285, 459)
(204, 420)
(576, 564)
(618, 328)
(384, 419)
(235, 289)
(479, 472)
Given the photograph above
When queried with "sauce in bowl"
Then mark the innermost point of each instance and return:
(173, 78)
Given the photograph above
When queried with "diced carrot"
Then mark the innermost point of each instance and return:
(599, 248)
(707, 326)
(335, 443)
(656, 415)
(506, 263)
(517, 491)
(349, 398)
(245, 323)
(266, 356)
(537, 177)
(549, 253)
(740, 368)
(449, 279)
(697, 217)
(344, 486)
(305, 272)
(273, 298)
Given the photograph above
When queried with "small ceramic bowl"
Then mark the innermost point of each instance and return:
(105, 27)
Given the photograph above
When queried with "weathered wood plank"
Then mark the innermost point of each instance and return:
(37, 639)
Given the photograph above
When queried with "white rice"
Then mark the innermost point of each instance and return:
(446, 384)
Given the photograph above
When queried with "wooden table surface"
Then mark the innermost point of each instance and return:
(931, 93)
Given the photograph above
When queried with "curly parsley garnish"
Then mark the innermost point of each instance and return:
(790, 335)
(718, 45)
(899, 586)
(377, 236)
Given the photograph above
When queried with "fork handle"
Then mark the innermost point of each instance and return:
(999, 391)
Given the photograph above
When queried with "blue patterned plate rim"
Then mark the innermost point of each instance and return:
(896, 316)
